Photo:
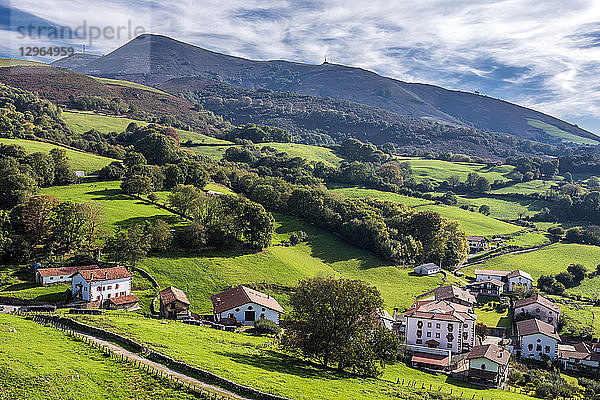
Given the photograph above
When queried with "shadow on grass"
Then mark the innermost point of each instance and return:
(109, 194)
(276, 362)
(51, 297)
(126, 223)
(19, 286)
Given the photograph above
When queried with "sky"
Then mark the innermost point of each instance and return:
(543, 54)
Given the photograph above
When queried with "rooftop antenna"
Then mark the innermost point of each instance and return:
(84, 49)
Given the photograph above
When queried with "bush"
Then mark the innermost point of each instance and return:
(266, 327)
(298, 237)
(515, 377)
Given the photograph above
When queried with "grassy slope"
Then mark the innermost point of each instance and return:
(560, 134)
(18, 283)
(120, 82)
(9, 62)
(78, 159)
(324, 254)
(506, 209)
(121, 210)
(81, 122)
(473, 222)
(439, 170)
(39, 362)
(549, 260)
(536, 186)
(250, 360)
(487, 314)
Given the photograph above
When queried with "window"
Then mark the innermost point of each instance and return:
(550, 319)
(483, 367)
(450, 327)
(530, 347)
(437, 335)
(537, 310)
(538, 347)
(465, 325)
(420, 324)
(428, 334)
(99, 288)
(437, 325)
(450, 337)
(117, 286)
(429, 324)
(249, 307)
(109, 287)
(419, 333)
(465, 335)
(122, 293)
(109, 295)
(263, 310)
(539, 340)
(419, 341)
(449, 345)
(547, 349)
(51, 277)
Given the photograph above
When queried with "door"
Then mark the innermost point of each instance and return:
(249, 316)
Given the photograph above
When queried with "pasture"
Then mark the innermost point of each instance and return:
(256, 362)
(438, 170)
(119, 82)
(39, 362)
(78, 160)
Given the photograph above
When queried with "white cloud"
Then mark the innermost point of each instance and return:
(435, 41)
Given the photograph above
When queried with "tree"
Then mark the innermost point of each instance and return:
(481, 330)
(37, 215)
(556, 232)
(450, 199)
(128, 247)
(566, 278)
(332, 320)
(95, 227)
(193, 235)
(484, 209)
(186, 199)
(137, 184)
(578, 271)
(133, 158)
(545, 282)
(15, 186)
(68, 226)
(160, 235)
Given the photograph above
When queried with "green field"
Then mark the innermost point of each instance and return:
(11, 62)
(488, 314)
(81, 122)
(438, 170)
(585, 317)
(589, 288)
(473, 223)
(505, 209)
(536, 186)
(528, 239)
(558, 133)
(323, 254)
(78, 160)
(134, 85)
(18, 282)
(548, 260)
(121, 210)
(253, 361)
(40, 362)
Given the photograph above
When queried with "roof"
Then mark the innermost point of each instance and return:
(64, 270)
(476, 239)
(517, 273)
(492, 272)
(534, 326)
(105, 274)
(383, 314)
(172, 294)
(429, 266)
(240, 295)
(431, 359)
(490, 352)
(537, 299)
(121, 300)
(440, 310)
(495, 282)
(451, 291)
(578, 351)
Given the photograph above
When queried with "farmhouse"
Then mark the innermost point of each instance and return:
(511, 279)
(538, 307)
(580, 356)
(440, 324)
(536, 338)
(488, 365)
(454, 294)
(492, 288)
(242, 305)
(478, 243)
(173, 303)
(103, 285)
(47, 276)
(427, 269)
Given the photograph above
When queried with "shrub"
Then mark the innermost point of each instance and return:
(265, 326)
(515, 377)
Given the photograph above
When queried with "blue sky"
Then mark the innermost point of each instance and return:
(541, 54)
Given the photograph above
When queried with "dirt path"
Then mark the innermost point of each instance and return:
(120, 351)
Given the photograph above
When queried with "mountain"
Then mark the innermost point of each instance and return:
(155, 59)
(74, 61)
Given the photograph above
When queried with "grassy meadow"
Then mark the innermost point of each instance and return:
(438, 170)
(254, 361)
(78, 160)
(505, 208)
(12, 62)
(121, 210)
(564, 136)
(535, 186)
(119, 82)
(40, 362)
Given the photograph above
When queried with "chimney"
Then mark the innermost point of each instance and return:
(91, 275)
(105, 274)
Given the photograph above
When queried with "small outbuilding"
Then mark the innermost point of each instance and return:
(427, 269)
(174, 304)
(488, 365)
(244, 306)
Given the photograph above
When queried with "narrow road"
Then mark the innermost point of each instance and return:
(158, 366)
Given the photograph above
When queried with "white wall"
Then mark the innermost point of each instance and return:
(518, 281)
(540, 312)
(91, 291)
(488, 277)
(47, 280)
(534, 341)
(239, 313)
(476, 363)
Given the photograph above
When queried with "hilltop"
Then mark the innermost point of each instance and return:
(155, 59)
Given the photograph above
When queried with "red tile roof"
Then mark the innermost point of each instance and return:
(64, 270)
(533, 326)
(172, 294)
(240, 295)
(121, 300)
(492, 272)
(517, 273)
(449, 292)
(105, 274)
(491, 352)
(537, 299)
(431, 359)
(495, 282)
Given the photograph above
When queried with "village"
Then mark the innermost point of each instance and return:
(440, 330)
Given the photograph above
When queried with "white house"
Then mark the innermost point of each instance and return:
(519, 278)
(242, 305)
(440, 324)
(511, 279)
(455, 294)
(478, 243)
(579, 356)
(79, 173)
(47, 276)
(427, 269)
(488, 364)
(538, 307)
(537, 338)
(492, 288)
(104, 285)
